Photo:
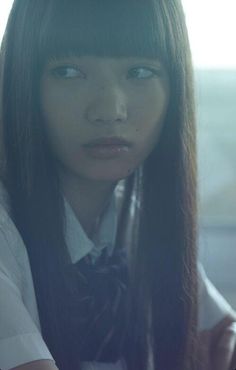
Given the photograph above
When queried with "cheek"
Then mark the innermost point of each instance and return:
(150, 116)
(59, 109)
(62, 116)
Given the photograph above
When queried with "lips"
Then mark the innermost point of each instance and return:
(108, 141)
(107, 148)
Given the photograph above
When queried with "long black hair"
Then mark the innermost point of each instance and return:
(161, 243)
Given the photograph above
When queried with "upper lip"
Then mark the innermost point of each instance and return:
(114, 140)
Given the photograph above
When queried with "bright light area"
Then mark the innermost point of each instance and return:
(212, 30)
(4, 11)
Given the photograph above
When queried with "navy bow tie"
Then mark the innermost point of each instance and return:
(97, 324)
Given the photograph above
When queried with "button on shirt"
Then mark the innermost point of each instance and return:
(20, 332)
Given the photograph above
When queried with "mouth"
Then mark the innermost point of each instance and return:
(107, 147)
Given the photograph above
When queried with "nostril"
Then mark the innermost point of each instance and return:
(108, 121)
(108, 116)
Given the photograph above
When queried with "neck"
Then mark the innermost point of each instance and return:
(88, 199)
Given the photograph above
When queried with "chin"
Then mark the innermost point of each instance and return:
(109, 173)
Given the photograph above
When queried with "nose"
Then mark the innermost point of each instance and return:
(107, 107)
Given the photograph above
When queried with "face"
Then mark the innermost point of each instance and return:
(103, 116)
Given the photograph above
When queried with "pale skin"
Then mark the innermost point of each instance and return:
(85, 98)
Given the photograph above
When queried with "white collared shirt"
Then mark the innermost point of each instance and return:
(20, 332)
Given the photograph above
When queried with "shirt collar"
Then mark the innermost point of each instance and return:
(78, 243)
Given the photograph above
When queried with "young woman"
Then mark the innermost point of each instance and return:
(98, 211)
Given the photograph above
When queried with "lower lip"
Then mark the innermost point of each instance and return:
(106, 151)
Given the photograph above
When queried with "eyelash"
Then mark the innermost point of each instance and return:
(155, 72)
(76, 73)
(58, 72)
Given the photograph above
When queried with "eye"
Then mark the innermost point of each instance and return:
(67, 72)
(142, 73)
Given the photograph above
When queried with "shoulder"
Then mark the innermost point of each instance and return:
(13, 255)
(8, 229)
(20, 336)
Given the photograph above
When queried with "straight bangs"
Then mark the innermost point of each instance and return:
(108, 28)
